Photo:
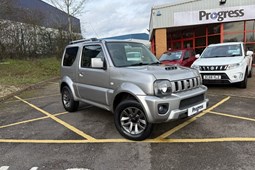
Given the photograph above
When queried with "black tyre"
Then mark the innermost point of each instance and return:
(68, 101)
(243, 84)
(250, 73)
(131, 121)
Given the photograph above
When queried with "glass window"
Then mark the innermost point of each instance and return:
(89, 52)
(186, 55)
(200, 41)
(213, 39)
(176, 36)
(233, 37)
(250, 47)
(214, 29)
(171, 56)
(177, 45)
(250, 25)
(70, 56)
(250, 36)
(188, 44)
(234, 27)
(200, 31)
(199, 50)
(124, 54)
(187, 34)
(222, 51)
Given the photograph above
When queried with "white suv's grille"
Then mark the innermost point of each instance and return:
(213, 68)
(182, 85)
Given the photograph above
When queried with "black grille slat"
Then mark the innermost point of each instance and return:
(213, 68)
(186, 103)
(183, 85)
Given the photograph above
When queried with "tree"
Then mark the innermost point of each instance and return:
(72, 8)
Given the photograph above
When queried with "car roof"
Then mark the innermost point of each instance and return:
(82, 42)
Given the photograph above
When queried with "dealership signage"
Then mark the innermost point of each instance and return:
(214, 15)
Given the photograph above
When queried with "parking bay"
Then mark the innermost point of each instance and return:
(36, 131)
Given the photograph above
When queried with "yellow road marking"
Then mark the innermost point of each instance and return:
(233, 116)
(170, 132)
(206, 140)
(31, 98)
(70, 127)
(31, 120)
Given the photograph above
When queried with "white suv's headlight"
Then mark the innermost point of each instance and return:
(233, 66)
(162, 88)
(195, 67)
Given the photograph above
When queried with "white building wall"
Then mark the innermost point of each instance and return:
(163, 16)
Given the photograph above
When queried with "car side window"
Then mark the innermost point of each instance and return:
(186, 55)
(70, 56)
(89, 52)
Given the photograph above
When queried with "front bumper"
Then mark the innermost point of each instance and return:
(178, 104)
(227, 77)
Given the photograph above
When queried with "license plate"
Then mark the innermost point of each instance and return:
(196, 109)
(212, 77)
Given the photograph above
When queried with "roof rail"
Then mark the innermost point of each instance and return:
(83, 40)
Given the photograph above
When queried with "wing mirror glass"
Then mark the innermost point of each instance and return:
(249, 53)
(197, 55)
(97, 63)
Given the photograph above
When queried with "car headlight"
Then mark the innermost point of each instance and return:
(195, 67)
(233, 66)
(162, 88)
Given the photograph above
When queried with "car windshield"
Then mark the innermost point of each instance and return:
(126, 54)
(222, 51)
(171, 56)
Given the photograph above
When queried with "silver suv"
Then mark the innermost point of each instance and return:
(125, 78)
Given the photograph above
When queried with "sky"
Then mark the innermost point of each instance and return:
(107, 18)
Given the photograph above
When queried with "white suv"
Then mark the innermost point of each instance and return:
(225, 63)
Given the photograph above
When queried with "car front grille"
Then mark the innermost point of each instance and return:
(183, 85)
(186, 103)
(213, 68)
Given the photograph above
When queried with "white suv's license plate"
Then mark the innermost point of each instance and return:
(212, 77)
(196, 109)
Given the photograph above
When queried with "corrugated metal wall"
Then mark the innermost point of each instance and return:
(166, 19)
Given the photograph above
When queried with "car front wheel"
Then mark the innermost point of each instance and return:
(131, 121)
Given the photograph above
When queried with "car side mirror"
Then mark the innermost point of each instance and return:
(97, 63)
(197, 55)
(249, 53)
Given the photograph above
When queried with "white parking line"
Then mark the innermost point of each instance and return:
(4, 168)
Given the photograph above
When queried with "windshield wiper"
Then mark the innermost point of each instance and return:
(138, 64)
(216, 56)
(233, 55)
(155, 63)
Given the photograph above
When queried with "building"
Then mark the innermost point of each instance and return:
(37, 12)
(31, 28)
(198, 23)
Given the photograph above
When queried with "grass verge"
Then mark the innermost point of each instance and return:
(20, 73)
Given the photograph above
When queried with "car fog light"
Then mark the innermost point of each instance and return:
(163, 108)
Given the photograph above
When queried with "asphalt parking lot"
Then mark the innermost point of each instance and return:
(37, 133)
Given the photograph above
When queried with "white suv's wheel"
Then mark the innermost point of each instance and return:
(68, 101)
(131, 121)
(250, 73)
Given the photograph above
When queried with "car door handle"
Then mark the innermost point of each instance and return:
(81, 75)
